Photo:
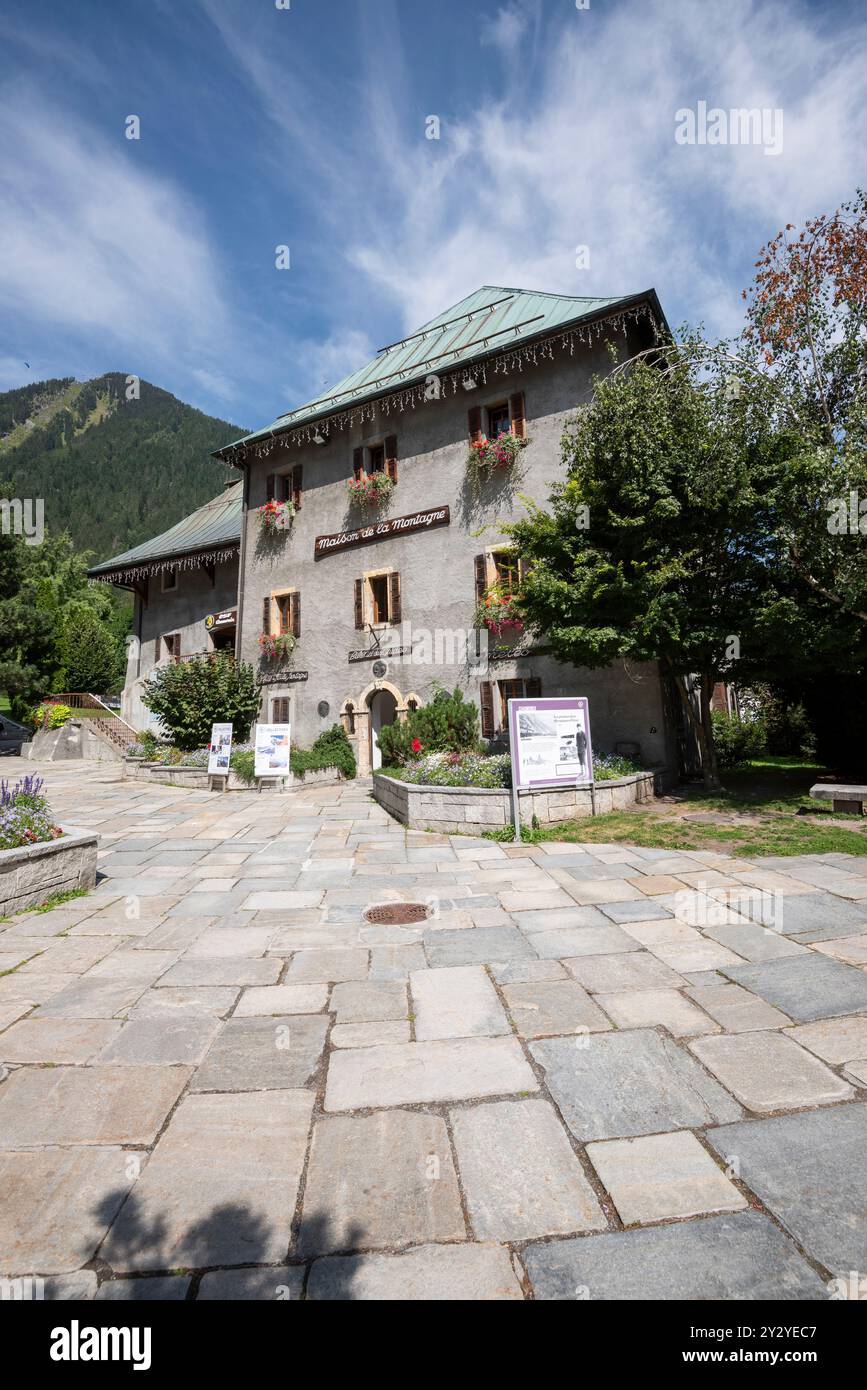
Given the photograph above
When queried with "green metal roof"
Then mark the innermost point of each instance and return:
(215, 526)
(491, 318)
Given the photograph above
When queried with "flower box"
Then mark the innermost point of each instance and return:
(276, 646)
(275, 517)
(496, 611)
(370, 489)
(488, 456)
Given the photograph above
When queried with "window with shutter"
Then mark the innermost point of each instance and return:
(359, 603)
(271, 487)
(394, 598)
(280, 710)
(506, 566)
(391, 457)
(481, 567)
(474, 421)
(283, 604)
(376, 459)
(358, 463)
(297, 484)
(486, 700)
(516, 408)
(498, 420)
(509, 690)
(266, 614)
(296, 615)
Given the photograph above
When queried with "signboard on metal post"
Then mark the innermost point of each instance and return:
(550, 746)
(271, 757)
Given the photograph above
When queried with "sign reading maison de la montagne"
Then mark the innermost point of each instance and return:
(394, 526)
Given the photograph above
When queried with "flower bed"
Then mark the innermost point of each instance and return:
(492, 771)
(275, 517)
(473, 810)
(370, 489)
(38, 858)
(25, 816)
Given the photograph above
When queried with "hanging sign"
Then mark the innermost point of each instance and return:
(550, 742)
(220, 750)
(378, 530)
(227, 618)
(272, 751)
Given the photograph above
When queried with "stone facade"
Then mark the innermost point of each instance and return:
(473, 810)
(33, 873)
(178, 613)
(436, 569)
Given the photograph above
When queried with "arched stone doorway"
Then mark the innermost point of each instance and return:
(383, 710)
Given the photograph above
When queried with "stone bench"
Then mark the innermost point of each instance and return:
(845, 798)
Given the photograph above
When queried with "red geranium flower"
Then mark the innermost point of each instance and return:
(416, 745)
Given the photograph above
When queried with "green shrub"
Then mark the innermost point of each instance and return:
(737, 740)
(242, 761)
(190, 696)
(331, 749)
(449, 724)
(51, 716)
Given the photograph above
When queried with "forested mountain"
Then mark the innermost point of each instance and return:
(112, 471)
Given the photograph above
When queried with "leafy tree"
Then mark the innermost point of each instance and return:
(190, 696)
(659, 544)
(90, 653)
(807, 331)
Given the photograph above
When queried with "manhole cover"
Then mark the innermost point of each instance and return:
(396, 914)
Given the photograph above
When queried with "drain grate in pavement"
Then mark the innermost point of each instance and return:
(396, 914)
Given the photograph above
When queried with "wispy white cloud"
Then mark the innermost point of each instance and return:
(95, 243)
(582, 152)
(506, 29)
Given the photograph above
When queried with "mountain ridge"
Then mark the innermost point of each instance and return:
(112, 471)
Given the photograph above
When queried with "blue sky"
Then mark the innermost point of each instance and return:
(264, 126)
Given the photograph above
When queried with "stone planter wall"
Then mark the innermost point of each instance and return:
(199, 779)
(30, 875)
(472, 810)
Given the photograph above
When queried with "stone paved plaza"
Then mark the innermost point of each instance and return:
(593, 1072)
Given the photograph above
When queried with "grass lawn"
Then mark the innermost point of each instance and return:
(759, 811)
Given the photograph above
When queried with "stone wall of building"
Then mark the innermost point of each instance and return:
(436, 567)
(180, 611)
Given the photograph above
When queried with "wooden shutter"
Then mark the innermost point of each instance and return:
(270, 487)
(533, 688)
(157, 650)
(266, 614)
(394, 598)
(516, 410)
(486, 699)
(358, 462)
(391, 457)
(359, 603)
(297, 484)
(295, 610)
(474, 420)
(523, 570)
(280, 710)
(481, 565)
